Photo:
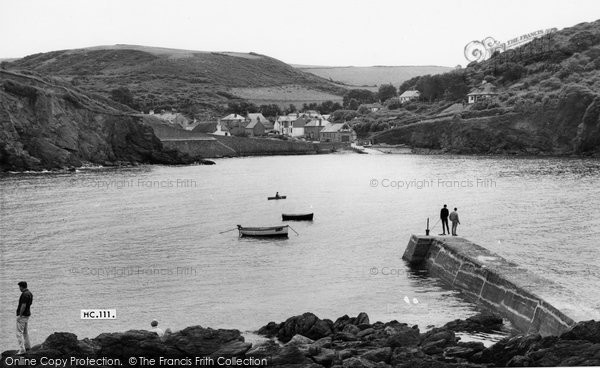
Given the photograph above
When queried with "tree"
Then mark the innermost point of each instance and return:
(362, 96)
(270, 110)
(124, 96)
(386, 91)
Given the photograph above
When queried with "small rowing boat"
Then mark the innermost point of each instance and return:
(276, 197)
(269, 231)
(297, 217)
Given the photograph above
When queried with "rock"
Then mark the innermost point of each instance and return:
(345, 336)
(433, 347)
(362, 319)
(325, 357)
(365, 332)
(402, 335)
(357, 363)
(351, 329)
(232, 349)
(199, 341)
(340, 323)
(519, 361)
(324, 342)
(270, 330)
(123, 345)
(307, 325)
(448, 337)
(300, 340)
(464, 349)
(344, 354)
(482, 322)
(63, 342)
(378, 355)
(586, 330)
(278, 355)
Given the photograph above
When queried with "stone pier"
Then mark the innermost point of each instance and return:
(490, 280)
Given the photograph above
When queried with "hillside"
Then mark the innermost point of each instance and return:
(373, 76)
(547, 102)
(46, 124)
(196, 82)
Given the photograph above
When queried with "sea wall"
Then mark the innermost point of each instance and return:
(490, 280)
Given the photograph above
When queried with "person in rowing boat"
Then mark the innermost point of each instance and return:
(277, 195)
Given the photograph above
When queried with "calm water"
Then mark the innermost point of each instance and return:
(119, 239)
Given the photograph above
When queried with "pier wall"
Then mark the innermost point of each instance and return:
(488, 279)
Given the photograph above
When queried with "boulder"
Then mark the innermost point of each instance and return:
(199, 341)
(307, 325)
(482, 322)
(325, 356)
(586, 330)
(270, 329)
(378, 355)
(402, 335)
(123, 345)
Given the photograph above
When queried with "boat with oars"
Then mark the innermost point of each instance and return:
(264, 232)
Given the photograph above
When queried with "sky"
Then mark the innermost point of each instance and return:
(308, 32)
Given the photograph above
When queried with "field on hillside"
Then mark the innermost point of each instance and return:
(197, 83)
(283, 96)
(372, 76)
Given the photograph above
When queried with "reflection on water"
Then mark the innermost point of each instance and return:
(146, 241)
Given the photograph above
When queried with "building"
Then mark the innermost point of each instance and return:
(486, 91)
(235, 124)
(283, 124)
(374, 107)
(255, 128)
(297, 127)
(409, 95)
(312, 129)
(217, 128)
(338, 133)
(258, 117)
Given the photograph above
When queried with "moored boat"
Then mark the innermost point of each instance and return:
(268, 231)
(297, 216)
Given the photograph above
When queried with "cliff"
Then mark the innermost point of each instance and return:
(49, 125)
(544, 100)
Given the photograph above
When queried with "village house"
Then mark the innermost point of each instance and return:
(175, 118)
(486, 91)
(312, 129)
(217, 128)
(258, 117)
(297, 129)
(337, 133)
(255, 128)
(283, 124)
(409, 95)
(235, 124)
(374, 107)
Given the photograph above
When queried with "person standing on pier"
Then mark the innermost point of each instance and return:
(23, 313)
(455, 220)
(444, 217)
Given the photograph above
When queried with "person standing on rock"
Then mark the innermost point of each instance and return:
(455, 220)
(444, 217)
(23, 314)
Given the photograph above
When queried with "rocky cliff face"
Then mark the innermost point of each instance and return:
(47, 125)
(569, 124)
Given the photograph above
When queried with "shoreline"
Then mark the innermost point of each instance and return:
(308, 341)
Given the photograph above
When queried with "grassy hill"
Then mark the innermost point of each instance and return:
(548, 102)
(373, 76)
(200, 83)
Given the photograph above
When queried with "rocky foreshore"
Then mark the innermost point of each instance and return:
(308, 341)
